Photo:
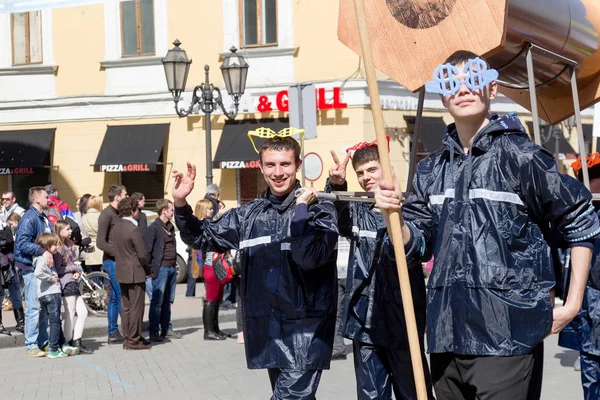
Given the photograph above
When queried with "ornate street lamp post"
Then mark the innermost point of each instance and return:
(205, 95)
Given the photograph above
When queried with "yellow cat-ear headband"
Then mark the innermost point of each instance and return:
(268, 133)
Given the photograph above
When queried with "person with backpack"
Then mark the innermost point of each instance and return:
(57, 209)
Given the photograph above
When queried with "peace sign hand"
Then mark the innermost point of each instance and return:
(183, 184)
(337, 173)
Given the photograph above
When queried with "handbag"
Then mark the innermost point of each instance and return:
(197, 263)
(222, 267)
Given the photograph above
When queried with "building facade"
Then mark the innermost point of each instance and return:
(84, 102)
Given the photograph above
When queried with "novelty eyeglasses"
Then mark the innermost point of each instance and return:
(268, 133)
(445, 77)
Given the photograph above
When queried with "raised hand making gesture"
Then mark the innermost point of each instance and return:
(183, 184)
(337, 173)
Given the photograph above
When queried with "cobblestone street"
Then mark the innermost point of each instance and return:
(191, 368)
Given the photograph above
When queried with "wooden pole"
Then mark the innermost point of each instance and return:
(392, 218)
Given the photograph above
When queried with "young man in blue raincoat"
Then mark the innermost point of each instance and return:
(287, 248)
(583, 333)
(372, 315)
(484, 204)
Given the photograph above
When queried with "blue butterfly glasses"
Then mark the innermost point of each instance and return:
(445, 77)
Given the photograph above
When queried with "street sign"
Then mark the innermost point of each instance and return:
(313, 167)
(302, 103)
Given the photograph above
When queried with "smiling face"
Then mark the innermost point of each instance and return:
(466, 105)
(279, 169)
(369, 175)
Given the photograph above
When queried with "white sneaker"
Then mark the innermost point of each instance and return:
(70, 350)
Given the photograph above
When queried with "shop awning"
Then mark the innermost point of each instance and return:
(23, 150)
(431, 135)
(235, 149)
(549, 142)
(131, 148)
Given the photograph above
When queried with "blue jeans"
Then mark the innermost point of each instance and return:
(50, 311)
(163, 295)
(149, 288)
(14, 291)
(114, 303)
(191, 281)
(34, 336)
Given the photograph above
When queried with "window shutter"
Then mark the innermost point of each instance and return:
(129, 28)
(147, 13)
(19, 36)
(270, 21)
(35, 37)
(249, 22)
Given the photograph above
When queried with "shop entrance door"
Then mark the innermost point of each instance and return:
(151, 184)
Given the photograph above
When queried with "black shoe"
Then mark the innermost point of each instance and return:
(155, 337)
(208, 320)
(3, 330)
(145, 342)
(216, 323)
(115, 338)
(339, 356)
(20, 318)
(82, 349)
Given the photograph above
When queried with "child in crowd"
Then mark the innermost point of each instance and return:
(49, 297)
(68, 273)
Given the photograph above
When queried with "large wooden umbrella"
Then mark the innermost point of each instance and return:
(547, 53)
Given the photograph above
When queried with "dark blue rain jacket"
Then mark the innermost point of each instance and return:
(486, 216)
(583, 333)
(288, 283)
(372, 311)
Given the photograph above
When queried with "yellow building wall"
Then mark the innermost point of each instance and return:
(316, 23)
(78, 49)
(198, 25)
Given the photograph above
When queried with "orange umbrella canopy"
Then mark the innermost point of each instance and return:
(411, 37)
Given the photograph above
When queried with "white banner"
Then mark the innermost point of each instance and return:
(15, 6)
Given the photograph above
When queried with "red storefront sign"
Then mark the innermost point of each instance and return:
(124, 168)
(281, 101)
(17, 171)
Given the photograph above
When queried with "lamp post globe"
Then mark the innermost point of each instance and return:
(235, 72)
(177, 67)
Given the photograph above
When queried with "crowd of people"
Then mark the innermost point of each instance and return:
(489, 207)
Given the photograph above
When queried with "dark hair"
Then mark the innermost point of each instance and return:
(461, 57)
(33, 191)
(364, 156)
(114, 191)
(162, 204)
(127, 207)
(281, 144)
(83, 207)
(137, 196)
